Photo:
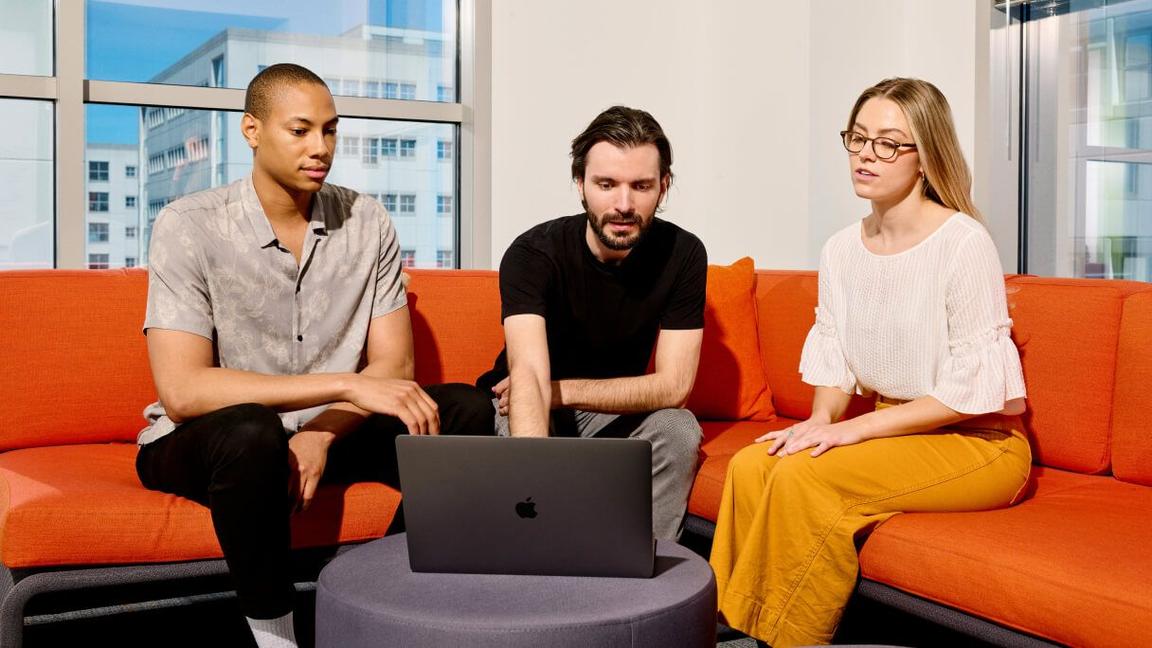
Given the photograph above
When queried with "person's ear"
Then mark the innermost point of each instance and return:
(250, 129)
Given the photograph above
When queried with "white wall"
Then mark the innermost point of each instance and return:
(750, 93)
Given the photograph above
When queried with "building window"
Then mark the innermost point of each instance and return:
(407, 203)
(129, 262)
(98, 172)
(443, 150)
(130, 232)
(443, 204)
(97, 232)
(130, 171)
(97, 261)
(407, 91)
(372, 89)
(388, 147)
(129, 202)
(371, 153)
(218, 80)
(445, 93)
(97, 201)
(407, 148)
(408, 258)
(350, 146)
(444, 259)
(389, 201)
(391, 90)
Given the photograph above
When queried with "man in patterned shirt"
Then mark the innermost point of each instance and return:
(280, 344)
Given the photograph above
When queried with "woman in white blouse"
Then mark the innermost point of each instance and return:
(911, 310)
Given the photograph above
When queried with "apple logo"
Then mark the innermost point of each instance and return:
(526, 509)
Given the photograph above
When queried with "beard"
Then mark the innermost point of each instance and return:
(614, 241)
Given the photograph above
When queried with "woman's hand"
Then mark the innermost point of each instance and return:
(816, 433)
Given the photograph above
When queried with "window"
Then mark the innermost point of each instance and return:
(407, 203)
(98, 201)
(129, 262)
(445, 93)
(98, 172)
(371, 150)
(443, 204)
(98, 261)
(389, 201)
(388, 147)
(98, 233)
(444, 259)
(443, 150)
(129, 232)
(408, 258)
(408, 49)
(407, 148)
(1084, 136)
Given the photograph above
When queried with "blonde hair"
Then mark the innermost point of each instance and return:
(947, 180)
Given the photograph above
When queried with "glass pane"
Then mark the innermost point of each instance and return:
(186, 150)
(399, 49)
(27, 182)
(26, 31)
(1089, 153)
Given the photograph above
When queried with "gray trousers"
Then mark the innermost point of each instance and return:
(675, 436)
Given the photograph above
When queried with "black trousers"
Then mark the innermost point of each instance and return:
(235, 461)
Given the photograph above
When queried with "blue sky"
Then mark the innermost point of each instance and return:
(131, 42)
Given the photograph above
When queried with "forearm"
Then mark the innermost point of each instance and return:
(208, 389)
(924, 414)
(343, 417)
(829, 404)
(528, 407)
(646, 393)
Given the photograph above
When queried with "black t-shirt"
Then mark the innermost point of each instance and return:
(602, 320)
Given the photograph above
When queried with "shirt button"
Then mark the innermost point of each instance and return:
(299, 338)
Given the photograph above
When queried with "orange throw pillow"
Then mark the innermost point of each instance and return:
(730, 382)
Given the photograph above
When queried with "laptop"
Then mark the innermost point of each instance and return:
(547, 506)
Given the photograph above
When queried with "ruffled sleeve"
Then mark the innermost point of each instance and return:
(980, 372)
(822, 361)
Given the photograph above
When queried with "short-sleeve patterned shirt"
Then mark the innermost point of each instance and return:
(217, 270)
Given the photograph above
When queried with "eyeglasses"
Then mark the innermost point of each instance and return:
(883, 147)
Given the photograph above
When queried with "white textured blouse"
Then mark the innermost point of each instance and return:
(931, 320)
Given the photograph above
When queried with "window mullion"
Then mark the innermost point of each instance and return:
(71, 172)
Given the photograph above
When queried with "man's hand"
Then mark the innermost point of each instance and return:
(500, 393)
(307, 456)
(403, 399)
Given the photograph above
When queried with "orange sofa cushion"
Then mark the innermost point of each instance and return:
(82, 504)
(786, 302)
(1131, 428)
(730, 382)
(75, 361)
(1071, 564)
(456, 324)
(1067, 331)
(722, 439)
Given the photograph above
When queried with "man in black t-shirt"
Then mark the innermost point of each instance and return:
(587, 298)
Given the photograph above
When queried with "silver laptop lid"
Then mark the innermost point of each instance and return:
(555, 506)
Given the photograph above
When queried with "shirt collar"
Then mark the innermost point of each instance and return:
(258, 221)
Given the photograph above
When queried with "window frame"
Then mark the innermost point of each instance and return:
(71, 92)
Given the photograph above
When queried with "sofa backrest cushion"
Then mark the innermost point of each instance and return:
(1067, 331)
(74, 355)
(456, 323)
(730, 383)
(786, 307)
(1132, 428)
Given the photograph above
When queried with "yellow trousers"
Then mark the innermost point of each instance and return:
(785, 545)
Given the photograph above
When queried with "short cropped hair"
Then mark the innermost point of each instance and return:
(269, 81)
(623, 127)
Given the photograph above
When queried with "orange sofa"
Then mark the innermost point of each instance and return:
(1071, 564)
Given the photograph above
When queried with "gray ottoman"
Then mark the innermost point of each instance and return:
(370, 597)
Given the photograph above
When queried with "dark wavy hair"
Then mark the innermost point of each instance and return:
(623, 127)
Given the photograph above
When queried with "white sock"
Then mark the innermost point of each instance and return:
(273, 633)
